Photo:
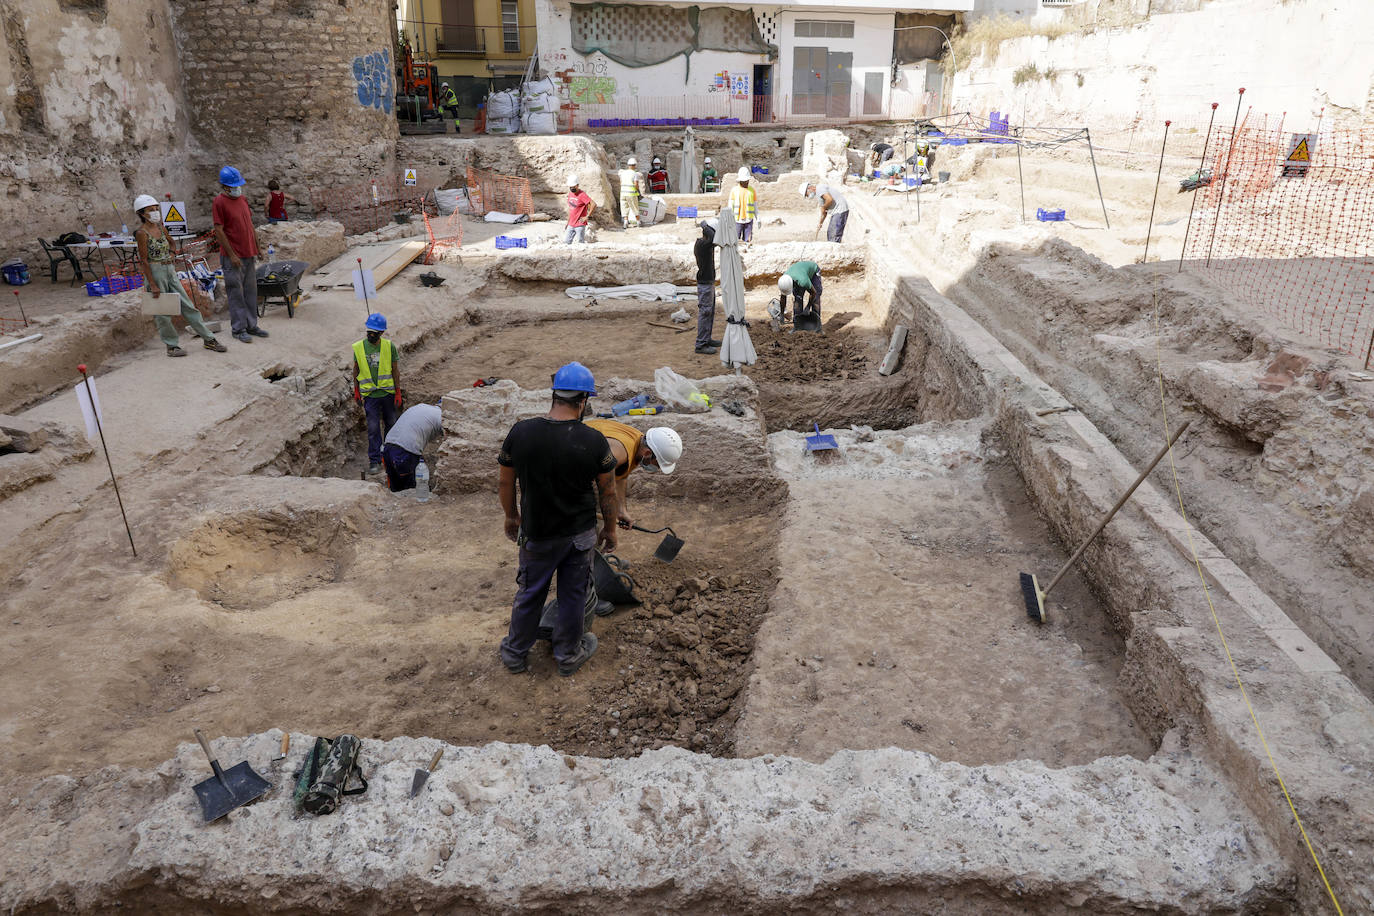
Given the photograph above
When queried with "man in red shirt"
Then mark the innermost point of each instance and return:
(238, 247)
(580, 207)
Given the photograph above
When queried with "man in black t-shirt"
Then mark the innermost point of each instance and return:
(556, 460)
(705, 252)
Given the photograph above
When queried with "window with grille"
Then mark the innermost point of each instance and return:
(824, 28)
(510, 25)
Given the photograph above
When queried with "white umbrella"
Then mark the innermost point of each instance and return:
(736, 349)
(688, 177)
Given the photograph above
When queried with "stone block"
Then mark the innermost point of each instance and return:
(22, 435)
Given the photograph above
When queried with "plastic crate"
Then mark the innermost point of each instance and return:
(1049, 216)
(108, 286)
(510, 241)
(760, 170)
(961, 141)
(686, 211)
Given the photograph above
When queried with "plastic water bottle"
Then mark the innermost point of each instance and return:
(422, 482)
(625, 407)
(124, 229)
(271, 252)
(90, 230)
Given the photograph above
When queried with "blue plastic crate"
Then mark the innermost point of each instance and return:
(510, 241)
(962, 141)
(108, 286)
(1049, 216)
(686, 211)
(760, 170)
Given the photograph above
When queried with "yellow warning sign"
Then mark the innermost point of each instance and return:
(1300, 152)
(410, 176)
(174, 215)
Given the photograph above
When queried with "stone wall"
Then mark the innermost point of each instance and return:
(298, 90)
(93, 115)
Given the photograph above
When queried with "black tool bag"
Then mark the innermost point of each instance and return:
(323, 781)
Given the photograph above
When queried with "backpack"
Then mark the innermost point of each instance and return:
(323, 780)
(70, 238)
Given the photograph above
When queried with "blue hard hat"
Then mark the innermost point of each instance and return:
(230, 177)
(376, 322)
(574, 377)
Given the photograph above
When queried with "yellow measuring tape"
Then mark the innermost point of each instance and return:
(1216, 620)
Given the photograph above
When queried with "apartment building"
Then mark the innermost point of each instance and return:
(476, 45)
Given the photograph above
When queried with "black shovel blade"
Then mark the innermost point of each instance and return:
(240, 785)
(806, 320)
(668, 549)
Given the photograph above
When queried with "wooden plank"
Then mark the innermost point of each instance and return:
(393, 265)
(340, 272)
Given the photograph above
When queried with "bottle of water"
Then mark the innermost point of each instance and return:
(626, 406)
(90, 230)
(271, 253)
(422, 482)
(124, 229)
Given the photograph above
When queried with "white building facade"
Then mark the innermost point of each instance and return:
(642, 61)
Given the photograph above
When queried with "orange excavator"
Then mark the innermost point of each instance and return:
(418, 100)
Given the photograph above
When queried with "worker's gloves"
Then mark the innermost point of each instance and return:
(398, 399)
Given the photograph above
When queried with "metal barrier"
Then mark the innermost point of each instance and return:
(488, 191)
(448, 237)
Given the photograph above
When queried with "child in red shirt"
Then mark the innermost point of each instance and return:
(276, 202)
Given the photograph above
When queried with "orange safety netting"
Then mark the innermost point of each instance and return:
(445, 234)
(488, 191)
(1286, 225)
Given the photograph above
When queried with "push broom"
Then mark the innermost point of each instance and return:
(1030, 588)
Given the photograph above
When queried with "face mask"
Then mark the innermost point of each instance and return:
(154, 216)
(374, 336)
(236, 192)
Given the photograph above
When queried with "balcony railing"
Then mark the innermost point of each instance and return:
(460, 39)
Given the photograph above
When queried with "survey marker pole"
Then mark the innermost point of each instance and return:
(1155, 198)
(1202, 164)
(1093, 156)
(1221, 191)
(85, 379)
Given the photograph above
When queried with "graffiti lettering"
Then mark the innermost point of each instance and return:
(595, 67)
(376, 88)
(591, 90)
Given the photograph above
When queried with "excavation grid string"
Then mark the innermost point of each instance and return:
(1207, 592)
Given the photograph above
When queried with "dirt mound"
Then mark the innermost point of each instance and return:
(802, 357)
(252, 560)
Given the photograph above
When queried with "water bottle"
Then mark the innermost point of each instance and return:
(90, 230)
(625, 407)
(124, 229)
(422, 482)
(271, 253)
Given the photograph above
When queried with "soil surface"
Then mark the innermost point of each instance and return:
(399, 609)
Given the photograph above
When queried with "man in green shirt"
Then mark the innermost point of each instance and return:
(801, 277)
(376, 386)
(710, 178)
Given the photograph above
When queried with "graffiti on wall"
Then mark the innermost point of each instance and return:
(376, 88)
(591, 90)
(736, 84)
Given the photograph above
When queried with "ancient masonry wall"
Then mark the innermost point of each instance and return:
(298, 90)
(92, 113)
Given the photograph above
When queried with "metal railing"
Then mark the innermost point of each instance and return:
(583, 113)
(460, 39)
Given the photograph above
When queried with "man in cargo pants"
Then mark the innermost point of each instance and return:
(238, 246)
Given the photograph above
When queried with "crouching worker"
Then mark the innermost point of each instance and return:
(406, 442)
(802, 277)
(155, 257)
(659, 448)
(551, 469)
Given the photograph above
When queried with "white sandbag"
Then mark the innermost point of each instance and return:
(503, 126)
(652, 210)
(540, 123)
(450, 199)
(502, 106)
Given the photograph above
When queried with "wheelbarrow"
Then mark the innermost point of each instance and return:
(280, 280)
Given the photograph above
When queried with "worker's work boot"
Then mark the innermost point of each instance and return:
(175, 351)
(570, 667)
(603, 608)
(707, 351)
(374, 469)
(215, 345)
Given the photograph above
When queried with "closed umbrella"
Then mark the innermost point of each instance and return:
(688, 176)
(736, 349)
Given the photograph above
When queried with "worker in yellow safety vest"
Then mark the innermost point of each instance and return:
(376, 386)
(744, 204)
(631, 189)
(659, 447)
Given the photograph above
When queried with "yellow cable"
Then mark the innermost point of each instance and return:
(1197, 564)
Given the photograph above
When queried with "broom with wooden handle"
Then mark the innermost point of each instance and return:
(1030, 588)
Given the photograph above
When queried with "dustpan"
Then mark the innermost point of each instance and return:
(819, 442)
(806, 320)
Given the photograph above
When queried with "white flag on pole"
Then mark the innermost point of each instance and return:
(362, 280)
(89, 411)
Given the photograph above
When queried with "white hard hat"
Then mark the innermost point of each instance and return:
(708, 160)
(572, 181)
(666, 445)
(143, 201)
(656, 159)
(744, 173)
(631, 161)
(785, 284)
(806, 188)
(443, 85)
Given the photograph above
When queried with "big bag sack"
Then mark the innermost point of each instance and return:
(323, 781)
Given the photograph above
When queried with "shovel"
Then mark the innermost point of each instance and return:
(669, 547)
(227, 789)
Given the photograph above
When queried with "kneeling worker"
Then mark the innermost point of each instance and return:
(802, 277)
(405, 444)
(660, 447)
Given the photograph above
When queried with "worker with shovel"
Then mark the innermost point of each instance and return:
(833, 204)
(660, 447)
(553, 462)
(801, 277)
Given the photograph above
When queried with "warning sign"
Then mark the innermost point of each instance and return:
(174, 215)
(410, 177)
(1300, 149)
